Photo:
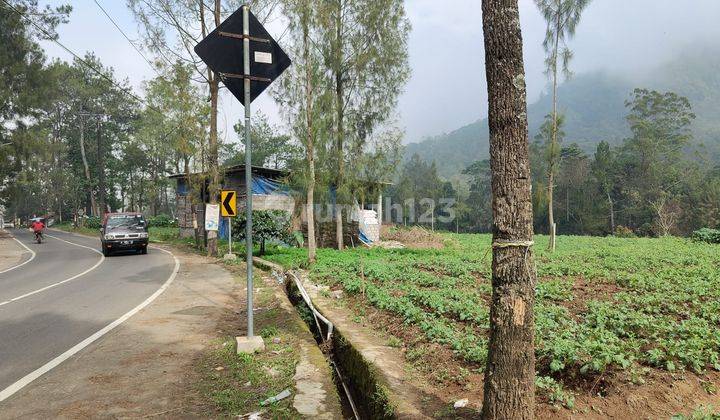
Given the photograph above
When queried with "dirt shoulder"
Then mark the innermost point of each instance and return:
(11, 253)
(145, 367)
(176, 358)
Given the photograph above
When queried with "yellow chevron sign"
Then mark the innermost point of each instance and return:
(228, 200)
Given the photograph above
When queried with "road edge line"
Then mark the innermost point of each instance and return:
(23, 263)
(34, 292)
(47, 367)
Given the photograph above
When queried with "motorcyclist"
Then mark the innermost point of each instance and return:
(37, 226)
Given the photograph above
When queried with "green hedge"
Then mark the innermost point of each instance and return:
(711, 236)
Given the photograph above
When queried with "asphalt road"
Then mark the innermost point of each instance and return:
(65, 295)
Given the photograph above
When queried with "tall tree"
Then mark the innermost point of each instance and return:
(171, 30)
(603, 170)
(510, 372)
(24, 79)
(562, 17)
(304, 101)
(652, 157)
(270, 147)
(365, 51)
(573, 173)
(168, 132)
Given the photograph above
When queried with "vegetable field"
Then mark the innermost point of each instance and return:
(603, 304)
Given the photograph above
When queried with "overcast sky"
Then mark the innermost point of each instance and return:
(447, 88)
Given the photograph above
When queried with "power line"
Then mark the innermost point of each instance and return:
(91, 67)
(152, 66)
(80, 59)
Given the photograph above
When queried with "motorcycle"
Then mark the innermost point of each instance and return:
(38, 237)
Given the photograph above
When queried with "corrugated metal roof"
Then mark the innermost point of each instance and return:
(241, 168)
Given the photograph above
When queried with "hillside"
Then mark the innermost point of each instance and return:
(594, 106)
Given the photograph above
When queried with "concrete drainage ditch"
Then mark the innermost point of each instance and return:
(363, 395)
(370, 376)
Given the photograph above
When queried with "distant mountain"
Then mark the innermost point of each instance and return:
(594, 108)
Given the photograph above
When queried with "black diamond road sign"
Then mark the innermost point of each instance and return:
(222, 51)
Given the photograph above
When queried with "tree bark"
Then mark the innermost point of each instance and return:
(102, 204)
(553, 143)
(510, 371)
(612, 214)
(87, 168)
(214, 187)
(310, 144)
(340, 104)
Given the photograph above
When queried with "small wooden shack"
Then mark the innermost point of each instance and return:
(270, 192)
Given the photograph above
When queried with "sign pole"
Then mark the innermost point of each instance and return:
(220, 50)
(229, 235)
(248, 172)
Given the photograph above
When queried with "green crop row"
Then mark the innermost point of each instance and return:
(601, 303)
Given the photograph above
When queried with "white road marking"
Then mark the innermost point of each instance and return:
(47, 367)
(20, 265)
(34, 292)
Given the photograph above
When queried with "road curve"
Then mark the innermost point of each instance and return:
(67, 294)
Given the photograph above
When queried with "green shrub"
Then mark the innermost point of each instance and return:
(162, 220)
(92, 222)
(711, 236)
(624, 232)
(267, 225)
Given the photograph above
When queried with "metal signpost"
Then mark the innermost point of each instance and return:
(246, 70)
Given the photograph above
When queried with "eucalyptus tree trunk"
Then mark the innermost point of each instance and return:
(214, 173)
(510, 371)
(612, 214)
(310, 145)
(93, 207)
(102, 202)
(340, 133)
(553, 142)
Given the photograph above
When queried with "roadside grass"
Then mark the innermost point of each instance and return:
(236, 384)
(606, 308)
(68, 227)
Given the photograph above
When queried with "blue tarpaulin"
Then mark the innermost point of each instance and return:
(364, 238)
(262, 185)
(223, 228)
